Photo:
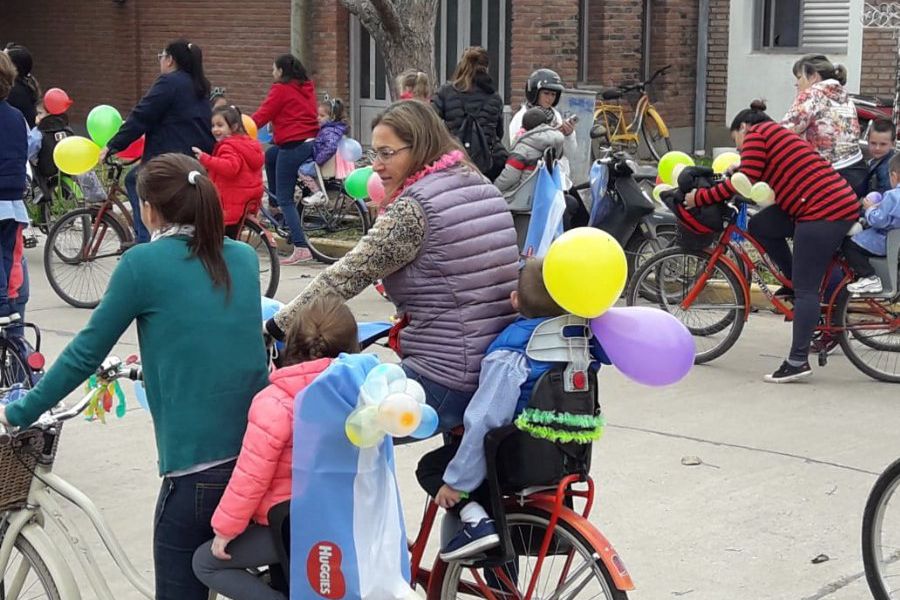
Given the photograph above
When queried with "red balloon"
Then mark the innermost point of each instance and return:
(57, 101)
(134, 151)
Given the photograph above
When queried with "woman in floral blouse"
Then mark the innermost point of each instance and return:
(824, 115)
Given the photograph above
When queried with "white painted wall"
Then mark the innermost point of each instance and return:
(753, 74)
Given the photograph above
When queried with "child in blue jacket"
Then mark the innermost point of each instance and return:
(880, 217)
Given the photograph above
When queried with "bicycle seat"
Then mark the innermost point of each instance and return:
(611, 94)
(886, 266)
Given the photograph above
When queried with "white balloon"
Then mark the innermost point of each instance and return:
(741, 184)
(762, 193)
(676, 171)
(659, 189)
(399, 414)
(415, 391)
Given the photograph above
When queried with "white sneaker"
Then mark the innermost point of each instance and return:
(865, 285)
(316, 199)
(299, 255)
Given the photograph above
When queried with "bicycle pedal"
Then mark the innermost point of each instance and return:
(823, 358)
(30, 242)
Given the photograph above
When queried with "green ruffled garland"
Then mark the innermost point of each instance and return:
(545, 425)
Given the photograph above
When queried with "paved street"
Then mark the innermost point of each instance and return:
(785, 474)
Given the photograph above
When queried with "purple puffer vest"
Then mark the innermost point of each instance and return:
(456, 291)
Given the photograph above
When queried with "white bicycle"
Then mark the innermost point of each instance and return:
(31, 565)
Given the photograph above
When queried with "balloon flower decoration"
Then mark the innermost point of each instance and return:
(389, 403)
(585, 272)
(77, 155)
(101, 402)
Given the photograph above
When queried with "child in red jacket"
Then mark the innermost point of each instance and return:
(235, 167)
(262, 477)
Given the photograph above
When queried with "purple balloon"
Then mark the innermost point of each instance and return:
(646, 344)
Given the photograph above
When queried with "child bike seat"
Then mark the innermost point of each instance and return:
(886, 266)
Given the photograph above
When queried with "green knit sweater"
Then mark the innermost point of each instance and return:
(202, 352)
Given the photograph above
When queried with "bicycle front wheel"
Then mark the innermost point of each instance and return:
(881, 536)
(269, 267)
(571, 568)
(81, 254)
(333, 227)
(656, 141)
(27, 576)
(870, 335)
(715, 316)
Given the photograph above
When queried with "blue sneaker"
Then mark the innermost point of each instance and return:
(472, 540)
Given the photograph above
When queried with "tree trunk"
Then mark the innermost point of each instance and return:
(403, 30)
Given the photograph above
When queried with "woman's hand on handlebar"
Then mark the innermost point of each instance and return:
(689, 199)
(104, 153)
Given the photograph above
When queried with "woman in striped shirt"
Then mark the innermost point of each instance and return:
(814, 205)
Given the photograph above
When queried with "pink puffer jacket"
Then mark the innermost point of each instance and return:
(262, 476)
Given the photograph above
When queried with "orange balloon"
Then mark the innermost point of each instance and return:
(249, 125)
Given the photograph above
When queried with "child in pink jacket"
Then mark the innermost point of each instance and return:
(262, 477)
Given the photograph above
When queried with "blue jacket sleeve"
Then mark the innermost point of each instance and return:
(885, 214)
(326, 144)
(494, 405)
(148, 112)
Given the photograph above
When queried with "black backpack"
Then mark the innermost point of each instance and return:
(53, 130)
(474, 140)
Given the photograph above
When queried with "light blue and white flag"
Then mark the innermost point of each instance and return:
(547, 210)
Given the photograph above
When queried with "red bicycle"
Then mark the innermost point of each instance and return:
(709, 291)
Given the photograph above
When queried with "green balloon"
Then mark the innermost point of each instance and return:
(103, 122)
(357, 181)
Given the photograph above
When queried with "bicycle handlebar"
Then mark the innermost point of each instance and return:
(625, 88)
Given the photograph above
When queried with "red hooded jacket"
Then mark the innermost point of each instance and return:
(235, 167)
(291, 108)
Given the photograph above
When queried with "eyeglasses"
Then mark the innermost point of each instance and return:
(385, 155)
(161, 55)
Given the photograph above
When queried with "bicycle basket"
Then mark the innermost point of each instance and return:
(18, 456)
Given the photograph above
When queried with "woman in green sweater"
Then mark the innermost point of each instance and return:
(196, 302)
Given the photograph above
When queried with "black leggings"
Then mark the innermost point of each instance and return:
(815, 243)
(858, 258)
(430, 474)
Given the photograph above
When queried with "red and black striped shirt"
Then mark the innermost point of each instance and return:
(806, 186)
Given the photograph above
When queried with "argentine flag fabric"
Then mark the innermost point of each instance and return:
(348, 538)
(547, 211)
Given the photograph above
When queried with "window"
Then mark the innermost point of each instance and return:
(803, 24)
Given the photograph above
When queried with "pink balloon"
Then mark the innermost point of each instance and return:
(375, 188)
(646, 344)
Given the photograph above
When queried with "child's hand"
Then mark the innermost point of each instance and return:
(447, 497)
(690, 199)
(197, 151)
(219, 544)
(868, 203)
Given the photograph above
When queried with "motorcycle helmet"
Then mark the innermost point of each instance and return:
(543, 79)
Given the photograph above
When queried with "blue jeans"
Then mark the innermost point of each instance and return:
(449, 404)
(181, 525)
(282, 163)
(140, 232)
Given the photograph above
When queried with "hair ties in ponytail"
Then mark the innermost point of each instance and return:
(192, 177)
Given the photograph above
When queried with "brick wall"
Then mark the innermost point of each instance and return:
(330, 48)
(613, 24)
(674, 42)
(544, 34)
(879, 62)
(717, 72)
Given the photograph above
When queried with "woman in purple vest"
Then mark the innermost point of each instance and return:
(445, 247)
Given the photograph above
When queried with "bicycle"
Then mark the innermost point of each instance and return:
(20, 361)
(50, 198)
(548, 548)
(709, 291)
(252, 232)
(611, 127)
(880, 548)
(84, 245)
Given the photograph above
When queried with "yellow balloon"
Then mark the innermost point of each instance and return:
(762, 193)
(725, 161)
(668, 162)
(659, 189)
(585, 271)
(741, 183)
(249, 126)
(76, 155)
(362, 428)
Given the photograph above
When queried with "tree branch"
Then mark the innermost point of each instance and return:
(387, 12)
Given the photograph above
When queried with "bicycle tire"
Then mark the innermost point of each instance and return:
(873, 516)
(671, 295)
(13, 368)
(655, 141)
(253, 235)
(332, 228)
(37, 565)
(53, 255)
(564, 534)
(889, 353)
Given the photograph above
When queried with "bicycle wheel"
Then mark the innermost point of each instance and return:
(640, 248)
(269, 267)
(26, 576)
(715, 317)
(571, 569)
(13, 368)
(870, 335)
(881, 536)
(657, 143)
(333, 227)
(79, 260)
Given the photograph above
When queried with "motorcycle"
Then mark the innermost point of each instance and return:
(624, 209)
(869, 108)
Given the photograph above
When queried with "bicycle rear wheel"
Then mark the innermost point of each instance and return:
(269, 267)
(881, 536)
(571, 569)
(26, 576)
(870, 335)
(13, 368)
(657, 143)
(715, 317)
(333, 227)
(79, 260)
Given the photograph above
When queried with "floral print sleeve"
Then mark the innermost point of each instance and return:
(803, 111)
(825, 117)
(393, 242)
